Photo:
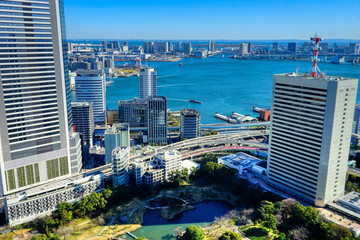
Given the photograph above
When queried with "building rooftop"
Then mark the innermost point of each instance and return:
(117, 128)
(326, 78)
(240, 159)
(352, 198)
(190, 112)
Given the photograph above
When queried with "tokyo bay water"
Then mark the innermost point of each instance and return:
(222, 84)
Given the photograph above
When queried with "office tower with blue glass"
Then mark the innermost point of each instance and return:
(90, 86)
(189, 124)
(157, 120)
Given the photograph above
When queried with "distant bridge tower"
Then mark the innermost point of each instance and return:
(314, 68)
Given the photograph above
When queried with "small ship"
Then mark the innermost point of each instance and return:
(194, 101)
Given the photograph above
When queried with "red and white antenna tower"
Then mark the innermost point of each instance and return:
(315, 69)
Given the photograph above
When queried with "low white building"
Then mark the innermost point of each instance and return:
(41, 201)
(241, 162)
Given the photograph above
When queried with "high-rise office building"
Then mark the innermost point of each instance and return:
(104, 46)
(133, 112)
(35, 101)
(148, 47)
(83, 120)
(116, 136)
(189, 124)
(213, 46)
(311, 121)
(186, 48)
(250, 47)
(148, 83)
(90, 86)
(157, 120)
(243, 49)
(120, 162)
(126, 43)
(161, 47)
(209, 45)
(291, 47)
(356, 122)
(275, 47)
(116, 45)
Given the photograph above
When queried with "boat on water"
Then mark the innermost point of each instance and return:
(194, 101)
(180, 64)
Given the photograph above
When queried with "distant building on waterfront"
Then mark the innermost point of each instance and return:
(291, 47)
(133, 112)
(116, 136)
(250, 47)
(90, 86)
(148, 83)
(243, 50)
(186, 48)
(161, 47)
(120, 162)
(324, 48)
(356, 122)
(213, 46)
(209, 45)
(275, 47)
(83, 120)
(157, 120)
(189, 124)
(311, 121)
(149, 47)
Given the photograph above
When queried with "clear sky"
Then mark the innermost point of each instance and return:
(212, 19)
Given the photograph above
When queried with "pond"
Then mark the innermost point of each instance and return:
(157, 228)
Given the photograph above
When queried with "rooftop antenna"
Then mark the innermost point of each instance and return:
(314, 68)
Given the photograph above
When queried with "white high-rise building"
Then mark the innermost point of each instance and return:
(35, 110)
(169, 160)
(120, 160)
(311, 123)
(90, 86)
(148, 83)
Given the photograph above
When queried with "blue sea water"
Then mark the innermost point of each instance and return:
(222, 84)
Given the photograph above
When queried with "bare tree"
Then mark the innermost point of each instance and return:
(300, 233)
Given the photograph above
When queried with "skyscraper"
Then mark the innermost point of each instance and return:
(189, 124)
(157, 120)
(311, 121)
(186, 48)
(148, 83)
(356, 122)
(35, 108)
(148, 47)
(291, 47)
(90, 86)
(243, 50)
(83, 119)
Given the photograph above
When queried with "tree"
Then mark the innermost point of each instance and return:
(282, 236)
(228, 235)
(107, 193)
(193, 233)
(64, 212)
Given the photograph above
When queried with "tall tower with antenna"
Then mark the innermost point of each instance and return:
(314, 68)
(311, 123)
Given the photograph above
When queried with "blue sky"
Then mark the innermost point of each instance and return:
(212, 19)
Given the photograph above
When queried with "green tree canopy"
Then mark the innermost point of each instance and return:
(228, 235)
(193, 233)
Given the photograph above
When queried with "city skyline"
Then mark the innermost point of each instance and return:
(229, 20)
